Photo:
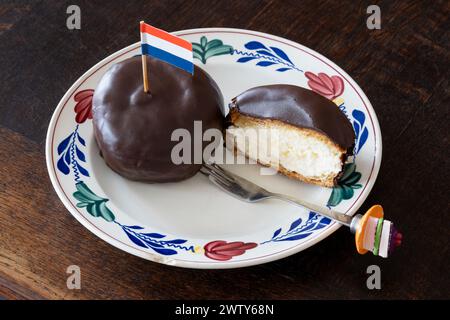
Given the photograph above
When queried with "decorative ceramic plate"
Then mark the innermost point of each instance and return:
(193, 223)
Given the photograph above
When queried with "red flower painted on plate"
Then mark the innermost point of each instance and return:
(83, 108)
(329, 87)
(223, 251)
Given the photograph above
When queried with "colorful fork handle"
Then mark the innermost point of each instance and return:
(373, 233)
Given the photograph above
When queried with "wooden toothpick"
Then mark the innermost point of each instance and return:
(144, 64)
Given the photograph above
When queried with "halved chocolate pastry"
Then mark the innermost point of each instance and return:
(314, 137)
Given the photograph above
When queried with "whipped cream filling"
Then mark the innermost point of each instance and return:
(295, 150)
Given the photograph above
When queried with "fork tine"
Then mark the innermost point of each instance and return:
(233, 177)
(221, 179)
(219, 171)
(219, 168)
(233, 189)
(204, 171)
(235, 186)
(221, 183)
(213, 174)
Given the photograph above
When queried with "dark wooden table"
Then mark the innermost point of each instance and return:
(403, 68)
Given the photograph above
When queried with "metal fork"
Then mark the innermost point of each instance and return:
(247, 191)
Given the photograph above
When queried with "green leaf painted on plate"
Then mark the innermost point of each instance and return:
(198, 56)
(203, 41)
(349, 168)
(95, 205)
(347, 192)
(105, 212)
(93, 210)
(197, 47)
(86, 192)
(82, 204)
(335, 197)
(217, 51)
(344, 189)
(207, 49)
(352, 179)
(213, 43)
(81, 197)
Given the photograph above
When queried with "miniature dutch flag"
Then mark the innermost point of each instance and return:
(164, 46)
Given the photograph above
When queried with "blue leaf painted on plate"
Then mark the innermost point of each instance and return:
(142, 240)
(311, 215)
(135, 240)
(253, 45)
(265, 63)
(62, 166)
(312, 226)
(356, 127)
(277, 232)
(283, 69)
(166, 252)
(298, 231)
(63, 144)
(295, 224)
(325, 221)
(80, 154)
(152, 244)
(363, 138)
(82, 170)
(297, 237)
(245, 59)
(154, 235)
(281, 54)
(360, 130)
(265, 53)
(317, 226)
(135, 227)
(81, 140)
(176, 241)
(359, 116)
(67, 157)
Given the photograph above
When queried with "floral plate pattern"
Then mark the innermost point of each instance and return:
(77, 171)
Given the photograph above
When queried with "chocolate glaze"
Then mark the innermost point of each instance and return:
(133, 129)
(299, 107)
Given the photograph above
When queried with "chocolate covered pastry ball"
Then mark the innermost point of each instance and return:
(133, 129)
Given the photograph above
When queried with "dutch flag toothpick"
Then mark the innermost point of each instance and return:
(164, 46)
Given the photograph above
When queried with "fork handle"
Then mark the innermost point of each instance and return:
(378, 236)
(335, 215)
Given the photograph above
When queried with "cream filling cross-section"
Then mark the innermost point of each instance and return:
(303, 151)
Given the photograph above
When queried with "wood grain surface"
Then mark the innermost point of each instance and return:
(403, 68)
